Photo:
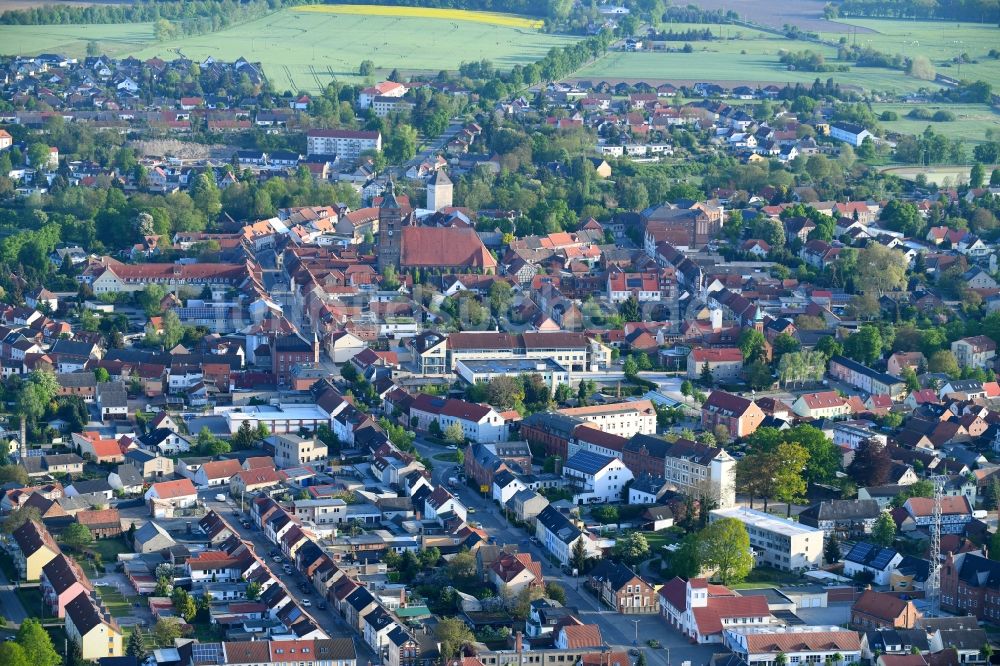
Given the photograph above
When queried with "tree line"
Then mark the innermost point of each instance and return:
(980, 11)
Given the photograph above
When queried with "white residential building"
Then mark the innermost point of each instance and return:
(800, 645)
(345, 144)
(777, 542)
(596, 478)
(621, 418)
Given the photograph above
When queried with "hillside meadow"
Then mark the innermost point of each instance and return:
(304, 48)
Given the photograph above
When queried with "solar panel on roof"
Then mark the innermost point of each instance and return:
(883, 558)
(861, 551)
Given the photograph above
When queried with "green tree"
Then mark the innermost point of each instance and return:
(706, 378)
(77, 537)
(871, 463)
(977, 176)
(790, 480)
(429, 557)
(452, 635)
(136, 645)
(366, 68)
(831, 551)
(206, 195)
(864, 345)
(37, 644)
(20, 516)
(944, 361)
(725, 547)
(102, 375)
(402, 144)
(752, 344)
(758, 375)
(166, 630)
(253, 590)
(630, 367)
(462, 565)
(12, 654)
(563, 393)
(454, 434)
(629, 309)
(555, 592)
(884, 530)
(579, 555)
(686, 560)
(38, 155)
(631, 548)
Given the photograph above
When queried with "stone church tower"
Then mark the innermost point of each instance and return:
(390, 218)
(439, 191)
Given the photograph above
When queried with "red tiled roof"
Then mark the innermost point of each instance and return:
(721, 355)
(174, 489)
(709, 618)
(880, 605)
(846, 641)
(221, 469)
(583, 636)
(444, 246)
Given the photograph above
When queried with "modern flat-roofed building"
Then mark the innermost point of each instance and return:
(782, 544)
(574, 351)
(484, 370)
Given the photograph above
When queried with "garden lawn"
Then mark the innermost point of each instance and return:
(657, 540)
(31, 599)
(109, 549)
(767, 577)
(117, 604)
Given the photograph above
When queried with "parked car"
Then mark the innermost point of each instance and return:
(306, 603)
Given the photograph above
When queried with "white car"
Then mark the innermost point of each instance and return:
(306, 603)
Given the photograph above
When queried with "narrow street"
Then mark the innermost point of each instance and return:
(619, 631)
(328, 620)
(13, 609)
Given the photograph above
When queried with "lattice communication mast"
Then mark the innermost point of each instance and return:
(932, 589)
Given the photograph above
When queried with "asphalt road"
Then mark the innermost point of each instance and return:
(328, 620)
(618, 631)
(13, 609)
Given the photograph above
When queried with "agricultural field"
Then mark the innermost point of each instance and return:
(970, 124)
(306, 47)
(490, 18)
(942, 175)
(940, 41)
(728, 66)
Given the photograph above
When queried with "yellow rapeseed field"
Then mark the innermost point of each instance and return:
(493, 18)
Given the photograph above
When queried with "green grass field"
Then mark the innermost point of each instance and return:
(302, 50)
(940, 41)
(970, 124)
(756, 66)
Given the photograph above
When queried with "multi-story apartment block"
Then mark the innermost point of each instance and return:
(621, 418)
(861, 376)
(782, 544)
(346, 144)
(977, 351)
(691, 468)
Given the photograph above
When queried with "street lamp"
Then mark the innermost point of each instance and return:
(635, 641)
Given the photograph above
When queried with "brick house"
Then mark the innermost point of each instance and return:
(740, 416)
(879, 610)
(622, 589)
(103, 524)
(970, 583)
